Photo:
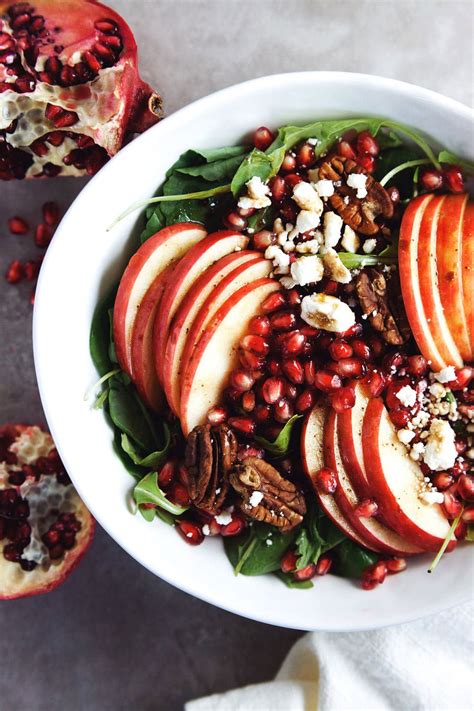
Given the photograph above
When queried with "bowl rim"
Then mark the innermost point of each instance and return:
(364, 80)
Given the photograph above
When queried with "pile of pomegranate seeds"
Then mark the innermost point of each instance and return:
(18, 271)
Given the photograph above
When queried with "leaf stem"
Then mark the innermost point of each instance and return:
(101, 380)
(445, 542)
(403, 166)
(245, 555)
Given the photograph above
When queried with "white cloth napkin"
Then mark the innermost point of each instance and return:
(427, 665)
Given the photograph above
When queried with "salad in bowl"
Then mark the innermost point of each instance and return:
(286, 360)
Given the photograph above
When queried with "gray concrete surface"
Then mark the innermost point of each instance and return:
(114, 636)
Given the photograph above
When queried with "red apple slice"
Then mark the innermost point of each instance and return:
(242, 266)
(201, 256)
(228, 286)
(349, 433)
(451, 244)
(396, 480)
(408, 266)
(434, 244)
(312, 456)
(467, 266)
(215, 355)
(143, 364)
(146, 264)
(373, 532)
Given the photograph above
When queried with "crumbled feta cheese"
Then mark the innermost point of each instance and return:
(440, 450)
(431, 497)
(287, 282)
(358, 182)
(255, 499)
(369, 245)
(268, 542)
(278, 256)
(258, 195)
(407, 396)
(313, 175)
(350, 240)
(437, 391)
(282, 238)
(307, 270)
(312, 141)
(332, 229)
(327, 312)
(307, 220)
(307, 198)
(289, 246)
(405, 436)
(334, 268)
(470, 453)
(445, 375)
(278, 226)
(224, 518)
(311, 246)
(206, 530)
(324, 188)
(418, 447)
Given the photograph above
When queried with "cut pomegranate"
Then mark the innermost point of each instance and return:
(45, 528)
(68, 68)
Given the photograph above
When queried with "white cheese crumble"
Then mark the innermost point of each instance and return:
(224, 518)
(327, 313)
(440, 450)
(255, 499)
(278, 256)
(405, 436)
(334, 268)
(287, 282)
(307, 198)
(206, 530)
(311, 246)
(369, 245)
(306, 221)
(332, 229)
(307, 270)
(358, 182)
(437, 391)
(446, 375)
(407, 396)
(324, 188)
(350, 241)
(431, 497)
(258, 195)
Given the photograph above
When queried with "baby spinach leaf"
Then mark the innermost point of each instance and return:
(151, 461)
(128, 415)
(470, 533)
(308, 549)
(262, 219)
(352, 559)
(290, 582)
(198, 156)
(281, 445)
(133, 469)
(99, 337)
(147, 491)
(257, 163)
(250, 554)
(155, 222)
(220, 171)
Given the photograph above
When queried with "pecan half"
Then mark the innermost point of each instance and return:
(372, 291)
(210, 453)
(358, 213)
(266, 495)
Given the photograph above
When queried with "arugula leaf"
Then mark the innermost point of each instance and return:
(317, 536)
(249, 553)
(445, 543)
(452, 159)
(403, 166)
(290, 582)
(353, 261)
(99, 337)
(281, 444)
(470, 533)
(352, 559)
(151, 461)
(147, 491)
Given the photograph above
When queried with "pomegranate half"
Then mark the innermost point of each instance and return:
(70, 92)
(45, 528)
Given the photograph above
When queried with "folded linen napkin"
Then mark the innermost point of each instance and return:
(425, 665)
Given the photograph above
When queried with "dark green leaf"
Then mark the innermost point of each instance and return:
(470, 533)
(151, 461)
(352, 559)
(257, 164)
(154, 224)
(250, 554)
(133, 469)
(127, 413)
(194, 157)
(452, 159)
(290, 582)
(220, 171)
(99, 338)
(281, 445)
(351, 260)
(147, 491)
(262, 219)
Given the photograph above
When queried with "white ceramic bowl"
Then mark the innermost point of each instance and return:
(84, 260)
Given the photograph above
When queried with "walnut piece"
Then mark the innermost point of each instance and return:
(266, 495)
(210, 453)
(371, 288)
(358, 213)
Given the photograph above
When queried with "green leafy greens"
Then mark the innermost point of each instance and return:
(282, 444)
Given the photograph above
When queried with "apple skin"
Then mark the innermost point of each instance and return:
(190, 267)
(312, 457)
(150, 260)
(189, 308)
(451, 244)
(376, 536)
(215, 355)
(432, 252)
(395, 482)
(467, 266)
(349, 434)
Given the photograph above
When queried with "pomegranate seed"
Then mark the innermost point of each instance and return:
(431, 179)
(43, 235)
(246, 450)
(255, 344)
(106, 26)
(293, 179)
(92, 62)
(392, 400)
(304, 401)
(345, 149)
(248, 401)
(395, 565)
(277, 187)
(452, 506)
(274, 366)
(323, 566)
(417, 365)
(375, 383)
(263, 138)
(290, 391)
(465, 487)
(288, 210)
(217, 415)
(305, 156)
(468, 515)
(361, 349)
(348, 368)
(309, 372)
(283, 410)
(18, 226)
(305, 573)
(353, 332)
(367, 162)
(14, 273)
(374, 575)
(233, 528)
(293, 370)
(263, 239)
(190, 532)
(273, 302)
(244, 425)
(250, 361)
(400, 418)
(340, 349)
(60, 117)
(330, 287)
(377, 346)
(326, 481)
(463, 378)
(454, 179)
(235, 221)
(288, 562)
(179, 494)
(31, 270)
(288, 163)
(272, 390)
(443, 481)
(294, 298)
(393, 362)
(460, 446)
(242, 380)
(259, 326)
(459, 468)
(366, 509)
(366, 143)
(283, 320)
(342, 399)
(262, 412)
(167, 474)
(394, 194)
(293, 343)
(461, 531)
(326, 381)
(51, 214)
(32, 296)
